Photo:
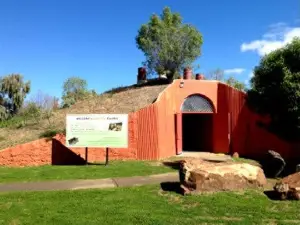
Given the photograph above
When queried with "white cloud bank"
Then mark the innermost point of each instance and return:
(247, 81)
(278, 36)
(234, 71)
(251, 74)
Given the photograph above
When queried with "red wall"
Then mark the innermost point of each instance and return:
(235, 127)
(43, 151)
(169, 104)
(30, 154)
(247, 137)
(147, 135)
(142, 145)
(220, 122)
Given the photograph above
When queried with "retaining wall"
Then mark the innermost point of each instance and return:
(33, 153)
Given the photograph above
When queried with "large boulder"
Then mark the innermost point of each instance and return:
(273, 164)
(198, 176)
(289, 187)
(298, 168)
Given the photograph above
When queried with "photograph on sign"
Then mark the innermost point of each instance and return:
(97, 130)
(115, 126)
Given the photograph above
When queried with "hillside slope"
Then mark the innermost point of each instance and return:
(125, 100)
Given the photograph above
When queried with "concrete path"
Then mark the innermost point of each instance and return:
(90, 184)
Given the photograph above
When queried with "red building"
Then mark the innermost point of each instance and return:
(200, 115)
(197, 115)
(188, 115)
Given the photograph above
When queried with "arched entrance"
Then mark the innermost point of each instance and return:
(197, 104)
(197, 123)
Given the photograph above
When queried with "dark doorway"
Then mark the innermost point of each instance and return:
(197, 132)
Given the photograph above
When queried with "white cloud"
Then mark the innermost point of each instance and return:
(234, 71)
(276, 31)
(251, 74)
(278, 36)
(247, 81)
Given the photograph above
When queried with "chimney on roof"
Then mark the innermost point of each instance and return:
(187, 73)
(142, 75)
(200, 76)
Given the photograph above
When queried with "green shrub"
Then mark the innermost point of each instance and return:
(93, 93)
(21, 124)
(49, 133)
(31, 112)
(13, 122)
(74, 89)
(119, 89)
(3, 113)
(68, 102)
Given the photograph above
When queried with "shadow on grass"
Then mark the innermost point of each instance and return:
(96, 164)
(173, 164)
(81, 164)
(214, 160)
(272, 195)
(171, 187)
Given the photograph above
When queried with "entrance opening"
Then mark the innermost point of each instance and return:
(197, 124)
(197, 132)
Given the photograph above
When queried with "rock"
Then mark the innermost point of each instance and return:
(289, 187)
(235, 155)
(298, 168)
(273, 164)
(162, 76)
(141, 81)
(294, 193)
(198, 176)
(281, 190)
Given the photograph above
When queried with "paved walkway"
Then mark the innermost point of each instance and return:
(90, 184)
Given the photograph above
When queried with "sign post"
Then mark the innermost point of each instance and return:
(106, 158)
(97, 131)
(86, 155)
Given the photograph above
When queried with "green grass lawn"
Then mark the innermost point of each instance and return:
(144, 205)
(114, 169)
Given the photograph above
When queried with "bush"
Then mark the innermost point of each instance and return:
(14, 122)
(93, 93)
(275, 90)
(49, 133)
(13, 90)
(31, 112)
(4, 115)
(68, 102)
(74, 89)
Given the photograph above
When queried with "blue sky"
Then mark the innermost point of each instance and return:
(48, 41)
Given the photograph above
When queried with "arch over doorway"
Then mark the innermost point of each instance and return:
(195, 124)
(197, 103)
